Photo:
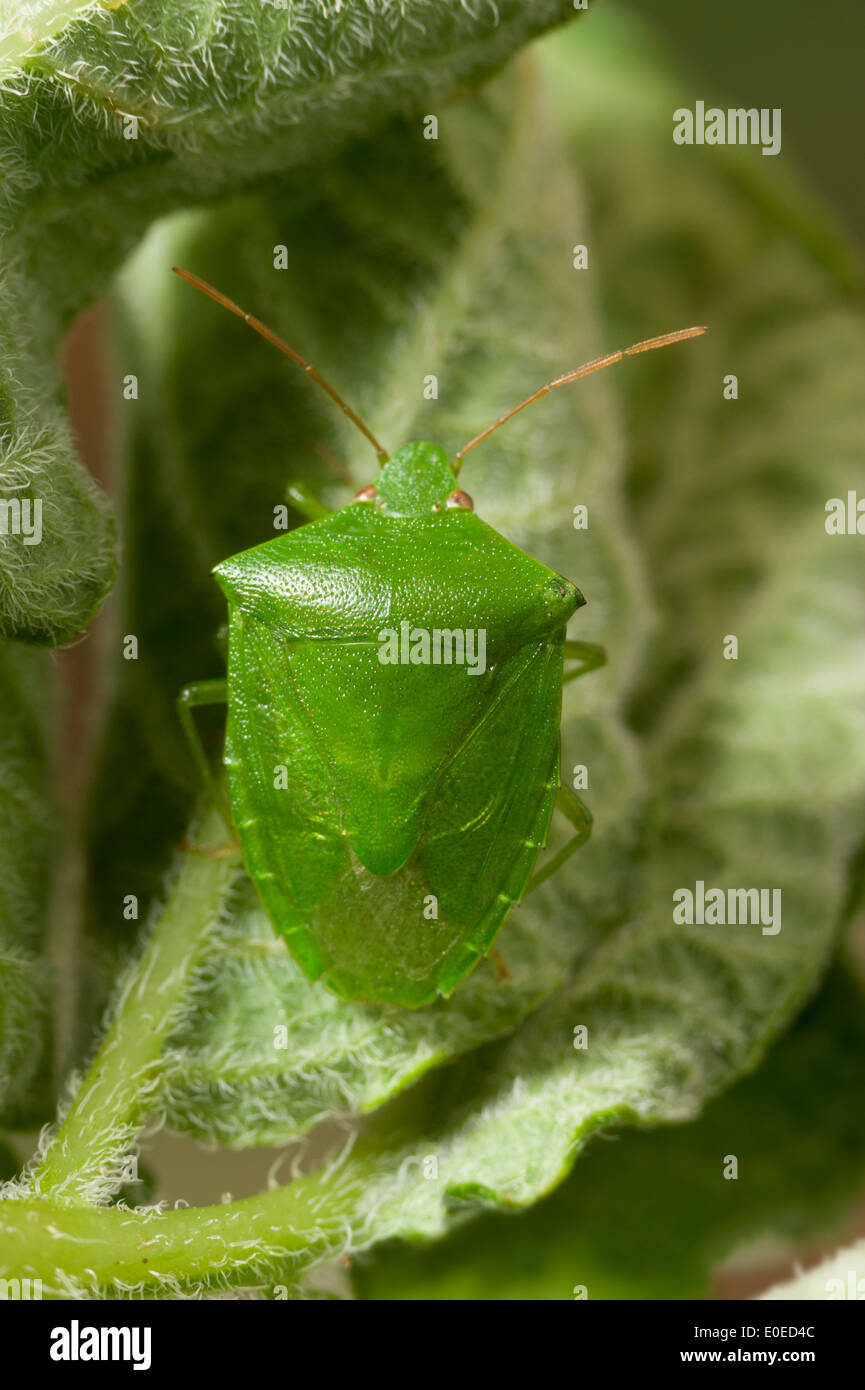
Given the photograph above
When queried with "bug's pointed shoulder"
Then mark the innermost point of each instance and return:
(320, 579)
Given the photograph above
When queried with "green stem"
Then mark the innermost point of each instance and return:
(54, 1234)
(78, 1250)
(119, 1088)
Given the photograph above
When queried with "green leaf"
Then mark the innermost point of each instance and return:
(674, 1013)
(648, 1215)
(26, 847)
(482, 251)
(111, 115)
(756, 766)
(435, 288)
(725, 493)
(760, 765)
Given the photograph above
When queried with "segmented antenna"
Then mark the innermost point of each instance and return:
(588, 367)
(277, 342)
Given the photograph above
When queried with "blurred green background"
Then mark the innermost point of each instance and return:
(801, 56)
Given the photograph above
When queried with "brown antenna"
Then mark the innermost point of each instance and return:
(277, 342)
(595, 366)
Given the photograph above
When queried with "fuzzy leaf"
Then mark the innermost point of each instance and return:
(111, 115)
(760, 763)
(215, 404)
(800, 1148)
(673, 1012)
(757, 765)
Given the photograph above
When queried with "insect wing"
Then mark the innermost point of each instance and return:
(404, 937)
(491, 809)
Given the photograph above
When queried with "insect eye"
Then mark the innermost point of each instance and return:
(458, 498)
(365, 494)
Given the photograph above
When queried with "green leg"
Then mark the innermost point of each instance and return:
(305, 501)
(214, 692)
(580, 818)
(589, 655)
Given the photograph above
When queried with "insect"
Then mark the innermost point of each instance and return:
(394, 688)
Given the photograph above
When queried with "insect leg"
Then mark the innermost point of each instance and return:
(213, 692)
(502, 972)
(580, 817)
(302, 497)
(589, 654)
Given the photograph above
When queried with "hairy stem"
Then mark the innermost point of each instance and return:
(118, 1089)
(81, 1250)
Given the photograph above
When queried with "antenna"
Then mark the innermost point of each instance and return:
(595, 366)
(277, 342)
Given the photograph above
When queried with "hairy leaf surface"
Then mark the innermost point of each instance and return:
(113, 114)
(452, 258)
(441, 287)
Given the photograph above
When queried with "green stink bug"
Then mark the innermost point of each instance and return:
(395, 674)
